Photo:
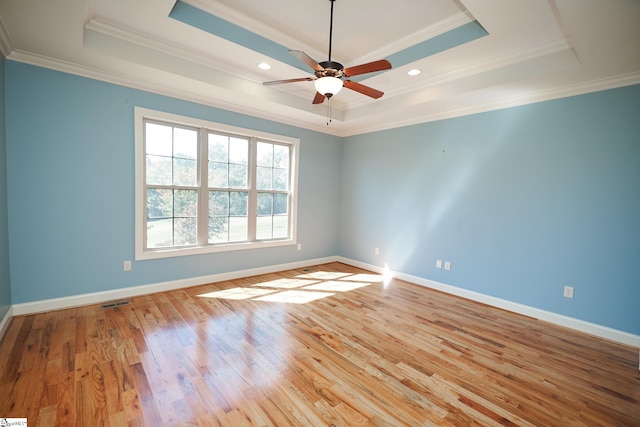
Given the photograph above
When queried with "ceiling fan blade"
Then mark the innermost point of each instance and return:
(319, 98)
(277, 82)
(369, 67)
(306, 59)
(365, 90)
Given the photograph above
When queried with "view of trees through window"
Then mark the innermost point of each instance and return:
(244, 185)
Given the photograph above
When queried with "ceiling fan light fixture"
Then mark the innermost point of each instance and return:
(328, 86)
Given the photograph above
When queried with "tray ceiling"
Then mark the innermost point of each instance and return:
(474, 55)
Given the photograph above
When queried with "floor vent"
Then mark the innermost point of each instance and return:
(115, 304)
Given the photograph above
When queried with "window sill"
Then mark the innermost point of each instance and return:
(199, 250)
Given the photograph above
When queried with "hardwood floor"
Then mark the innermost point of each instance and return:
(326, 346)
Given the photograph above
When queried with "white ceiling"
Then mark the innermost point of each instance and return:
(534, 50)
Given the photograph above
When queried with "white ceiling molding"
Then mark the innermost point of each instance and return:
(534, 51)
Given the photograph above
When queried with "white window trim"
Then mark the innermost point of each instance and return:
(140, 114)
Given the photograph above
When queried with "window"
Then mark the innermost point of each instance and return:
(206, 187)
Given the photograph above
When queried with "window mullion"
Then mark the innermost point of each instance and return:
(252, 212)
(203, 189)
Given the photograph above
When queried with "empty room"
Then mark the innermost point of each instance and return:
(319, 213)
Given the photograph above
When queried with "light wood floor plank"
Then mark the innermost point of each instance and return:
(330, 345)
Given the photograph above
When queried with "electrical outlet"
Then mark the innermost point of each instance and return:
(438, 263)
(126, 266)
(299, 246)
(377, 251)
(447, 265)
(568, 291)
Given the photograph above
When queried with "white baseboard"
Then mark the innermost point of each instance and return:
(558, 319)
(4, 323)
(100, 297)
(115, 294)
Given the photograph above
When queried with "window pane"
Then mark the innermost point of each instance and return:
(280, 204)
(280, 226)
(218, 203)
(172, 154)
(159, 233)
(238, 176)
(265, 154)
(238, 203)
(281, 156)
(158, 171)
(185, 143)
(158, 139)
(159, 203)
(238, 151)
(218, 175)
(280, 180)
(264, 228)
(185, 172)
(238, 229)
(228, 220)
(185, 230)
(185, 203)
(265, 204)
(218, 230)
(263, 178)
(218, 148)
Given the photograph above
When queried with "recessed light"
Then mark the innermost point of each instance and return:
(414, 72)
(264, 66)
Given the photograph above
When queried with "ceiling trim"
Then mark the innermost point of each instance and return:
(427, 35)
(264, 30)
(517, 101)
(129, 36)
(140, 84)
(216, 26)
(118, 79)
(506, 60)
(447, 34)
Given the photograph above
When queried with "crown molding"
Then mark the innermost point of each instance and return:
(517, 101)
(127, 35)
(260, 28)
(506, 60)
(435, 30)
(144, 85)
(340, 130)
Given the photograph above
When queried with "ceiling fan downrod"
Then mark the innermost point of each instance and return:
(331, 29)
(331, 68)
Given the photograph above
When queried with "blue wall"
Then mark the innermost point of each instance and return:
(70, 150)
(522, 201)
(5, 278)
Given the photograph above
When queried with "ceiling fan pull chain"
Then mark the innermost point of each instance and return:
(329, 108)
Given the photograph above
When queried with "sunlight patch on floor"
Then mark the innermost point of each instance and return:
(371, 278)
(286, 283)
(238, 293)
(294, 297)
(301, 289)
(324, 275)
(335, 286)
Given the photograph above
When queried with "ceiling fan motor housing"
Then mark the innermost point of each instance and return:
(331, 69)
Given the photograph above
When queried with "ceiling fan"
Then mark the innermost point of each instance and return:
(331, 76)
